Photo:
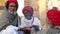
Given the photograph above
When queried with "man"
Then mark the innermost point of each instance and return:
(54, 16)
(29, 23)
(9, 15)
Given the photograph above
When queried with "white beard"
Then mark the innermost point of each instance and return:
(28, 22)
(12, 12)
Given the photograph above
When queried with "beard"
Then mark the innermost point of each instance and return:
(12, 12)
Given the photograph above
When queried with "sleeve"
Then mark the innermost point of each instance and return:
(3, 21)
(37, 22)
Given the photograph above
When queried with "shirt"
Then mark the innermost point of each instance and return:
(25, 22)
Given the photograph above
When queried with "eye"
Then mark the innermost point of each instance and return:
(12, 6)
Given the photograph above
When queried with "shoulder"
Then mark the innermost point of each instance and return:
(22, 18)
(3, 15)
(36, 19)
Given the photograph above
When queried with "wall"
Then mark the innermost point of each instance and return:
(2, 3)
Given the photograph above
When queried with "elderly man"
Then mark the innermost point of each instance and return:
(29, 23)
(9, 15)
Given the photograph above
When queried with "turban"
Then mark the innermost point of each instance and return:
(54, 16)
(14, 1)
(10, 1)
(29, 8)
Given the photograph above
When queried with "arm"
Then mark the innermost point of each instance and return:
(37, 24)
(3, 21)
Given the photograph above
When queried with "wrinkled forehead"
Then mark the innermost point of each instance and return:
(12, 4)
(27, 11)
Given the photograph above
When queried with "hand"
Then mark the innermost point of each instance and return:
(36, 27)
(25, 28)
(28, 28)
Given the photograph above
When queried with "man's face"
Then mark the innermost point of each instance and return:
(12, 7)
(28, 15)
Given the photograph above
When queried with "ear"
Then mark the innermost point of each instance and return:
(6, 5)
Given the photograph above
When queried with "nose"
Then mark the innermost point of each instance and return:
(13, 8)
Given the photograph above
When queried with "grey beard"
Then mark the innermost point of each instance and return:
(12, 12)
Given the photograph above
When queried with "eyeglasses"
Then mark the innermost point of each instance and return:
(12, 6)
